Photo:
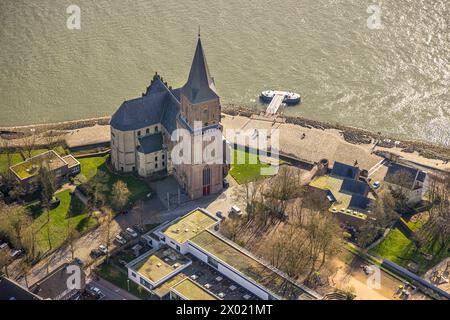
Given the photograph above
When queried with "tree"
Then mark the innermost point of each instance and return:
(72, 236)
(97, 190)
(285, 186)
(4, 261)
(29, 142)
(120, 195)
(401, 183)
(382, 215)
(46, 182)
(437, 228)
(14, 223)
(107, 231)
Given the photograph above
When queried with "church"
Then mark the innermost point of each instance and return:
(141, 129)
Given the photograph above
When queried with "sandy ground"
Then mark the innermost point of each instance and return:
(329, 144)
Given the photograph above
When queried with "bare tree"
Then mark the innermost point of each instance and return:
(120, 195)
(437, 228)
(382, 215)
(46, 182)
(29, 142)
(4, 261)
(107, 231)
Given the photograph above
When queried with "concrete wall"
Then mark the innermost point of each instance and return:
(146, 162)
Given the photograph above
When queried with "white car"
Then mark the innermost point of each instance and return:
(236, 211)
(103, 249)
(376, 184)
(120, 240)
(131, 232)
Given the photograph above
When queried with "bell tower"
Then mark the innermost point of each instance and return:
(200, 104)
(199, 98)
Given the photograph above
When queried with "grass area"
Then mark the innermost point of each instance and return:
(418, 221)
(401, 250)
(119, 277)
(245, 172)
(91, 166)
(59, 218)
(15, 159)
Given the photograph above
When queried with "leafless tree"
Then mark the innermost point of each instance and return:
(108, 219)
(437, 228)
(29, 142)
(382, 215)
(4, 261)
(120, 195)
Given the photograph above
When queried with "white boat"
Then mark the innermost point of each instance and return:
(290, 98)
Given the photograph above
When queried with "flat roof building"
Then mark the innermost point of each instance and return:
(192, 236)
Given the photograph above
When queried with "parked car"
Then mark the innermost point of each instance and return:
(220, 215)
(78, 261)
(226, 184)
(236, 211)
(120, 240)
(103, 249)
(139, 228)
(15, 254)
(95, 292)
(131, 232)
(376, 184)
(95, 253)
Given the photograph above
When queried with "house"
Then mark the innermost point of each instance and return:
(412, 180)
(57, 284)
(190, 239)
(26, 172)
(348, 197)
(142, 130)
(11, 290)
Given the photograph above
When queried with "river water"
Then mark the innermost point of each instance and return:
(392, 76)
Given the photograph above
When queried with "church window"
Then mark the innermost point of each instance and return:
(156, 158)
(156, 165)
(156, 128)
(147, 131)
(139, 132)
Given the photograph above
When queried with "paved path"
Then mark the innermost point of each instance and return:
(111, 291)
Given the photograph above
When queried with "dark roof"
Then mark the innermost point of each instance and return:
(354, 187)
(11, 290)
(343, 170)
(151, 143)
(200, 86)
(359, 202)
(159, 105)
(403, 175)
(54, 285)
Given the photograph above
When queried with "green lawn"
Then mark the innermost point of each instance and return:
(90, 167)
(245, 172)
(78, 220)
(401, 250)
(119, 277)
(15, 159)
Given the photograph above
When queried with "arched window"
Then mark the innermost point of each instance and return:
(206, 181)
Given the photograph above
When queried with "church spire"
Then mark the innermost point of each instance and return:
(200, 85)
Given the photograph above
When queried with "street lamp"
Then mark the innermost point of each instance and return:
(128, 284)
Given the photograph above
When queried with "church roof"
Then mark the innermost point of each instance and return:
(200, 86)
(159, 105)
